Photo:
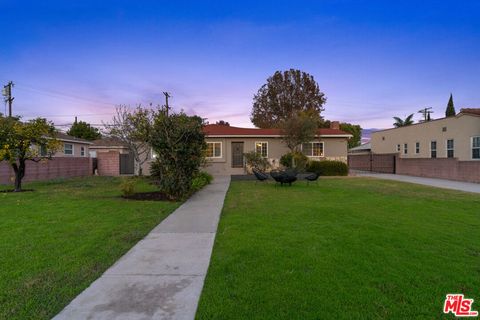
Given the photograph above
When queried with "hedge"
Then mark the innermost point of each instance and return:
(328, 168)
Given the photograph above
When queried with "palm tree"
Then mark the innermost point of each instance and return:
(402, 123)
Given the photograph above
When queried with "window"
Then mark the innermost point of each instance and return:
(43, 151)
(450, 148)
(313, 149)
(68, 149)
(476, 147)
(82, 151)
(262, 148)
(398, 148)
(417, 147)
(405, 148)
(433, 149)
(214, 149)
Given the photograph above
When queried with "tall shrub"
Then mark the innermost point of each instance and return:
(179, 143)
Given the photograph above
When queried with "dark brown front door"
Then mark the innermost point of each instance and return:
(237, 154)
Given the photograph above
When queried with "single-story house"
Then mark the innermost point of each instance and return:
(227, 145)
(451, 137)
(72, 146)
(365, 148)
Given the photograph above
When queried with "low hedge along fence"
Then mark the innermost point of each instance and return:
(328, 168)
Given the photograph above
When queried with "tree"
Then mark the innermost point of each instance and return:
(84, 130)
(399, 122)
(179, 143)
(133, 129)
(450, 111)
(356, 132)
(20, 142)
(298, 129)
(222, 123)
(284, 95)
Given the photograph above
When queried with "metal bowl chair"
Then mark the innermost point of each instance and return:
(261, 176)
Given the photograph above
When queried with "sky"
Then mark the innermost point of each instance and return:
(372, 59)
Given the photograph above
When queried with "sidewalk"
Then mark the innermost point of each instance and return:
(162, 276)
(439, 183)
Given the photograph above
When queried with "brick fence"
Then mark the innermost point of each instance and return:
(442, 168)
(108, 163)
(61, 167)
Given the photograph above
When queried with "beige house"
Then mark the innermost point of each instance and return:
(71, 146)
(453, 137)
(226, 146)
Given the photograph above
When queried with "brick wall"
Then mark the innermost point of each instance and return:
(62, 167)
(443, 168)
(108, 163)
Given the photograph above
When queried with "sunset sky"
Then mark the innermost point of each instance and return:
(373, 59)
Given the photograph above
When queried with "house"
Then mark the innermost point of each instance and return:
(226, 146)
(72, 146)
(365, 148)
(452, 137)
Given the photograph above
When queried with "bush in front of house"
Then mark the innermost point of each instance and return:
(201, 180)
(295, 160)
(255, 160)
(179, 143)
(328, 168)
(127, 187)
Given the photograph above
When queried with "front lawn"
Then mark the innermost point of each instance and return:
(349, 248)
(56, 240)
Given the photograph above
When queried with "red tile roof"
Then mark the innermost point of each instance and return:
(470, 111)
(221, 130)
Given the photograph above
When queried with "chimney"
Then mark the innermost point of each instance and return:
(335, 125)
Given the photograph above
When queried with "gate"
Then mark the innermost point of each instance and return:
(382, 163)
(126, 163)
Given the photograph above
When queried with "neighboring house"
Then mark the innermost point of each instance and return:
(365, 148)
(72, 146)
(452, 137)
(226, 146)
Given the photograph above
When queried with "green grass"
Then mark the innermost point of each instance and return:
(349, 248)
(56, 240)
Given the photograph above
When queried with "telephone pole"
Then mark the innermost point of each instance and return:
(167, 95)
(7, 94)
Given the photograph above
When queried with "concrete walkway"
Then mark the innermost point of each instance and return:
(439, 183)
(162, 276)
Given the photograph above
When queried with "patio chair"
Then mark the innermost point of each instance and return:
(261, 176)
(277, 176)
(312, 177)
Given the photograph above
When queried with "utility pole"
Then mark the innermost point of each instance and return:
(167, 95)
(7, 94)
(426, 113)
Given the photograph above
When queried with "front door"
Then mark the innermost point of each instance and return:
(237, 154)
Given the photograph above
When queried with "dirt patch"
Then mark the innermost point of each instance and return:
(149, 196)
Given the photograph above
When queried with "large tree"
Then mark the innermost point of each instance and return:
(450, 111)
(355, 130)
(83, 130)
(20, 142)
(133, 128)
(298, 129)
(399, 122)
(284, 95)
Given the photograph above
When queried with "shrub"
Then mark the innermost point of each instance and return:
(201, 180)
(328, 168)
(179, 142)
(295, 160)
(127, 187)
(255, 160)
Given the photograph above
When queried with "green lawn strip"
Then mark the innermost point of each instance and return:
(61, 237)
(348, 248)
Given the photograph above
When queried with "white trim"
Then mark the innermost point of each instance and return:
(74, 141)
(446, 148)
(417, 142)
(471, 148)
(221, 149)
(273, 136)
(255, 145)
(73, 149)
(405, 148)
(436, 149)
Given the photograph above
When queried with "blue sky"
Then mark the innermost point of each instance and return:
(372, 59)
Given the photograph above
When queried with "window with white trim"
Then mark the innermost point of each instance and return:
(450, 148)
(262, 148)
(405, 148)
(417, 147)
(214, 149)
(68, 149)
(476, 147)
(82, 151)
(313, 149)
(433, 149)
